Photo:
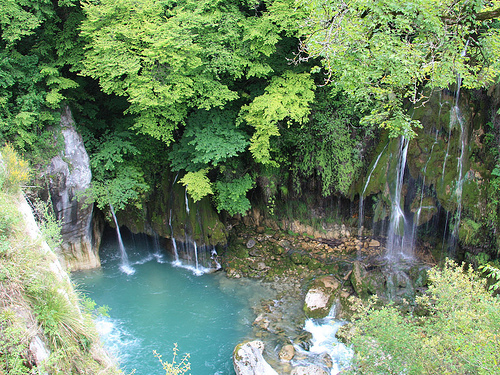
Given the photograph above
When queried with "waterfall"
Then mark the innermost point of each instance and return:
(213, 256)
(125, 266)
(186, 199)
(361, 197)
(174, 244)
(458, 120)
(398, 238)
(324, 341)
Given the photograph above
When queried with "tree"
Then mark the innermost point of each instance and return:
(390, 53)
(168, 57)
(38, 43)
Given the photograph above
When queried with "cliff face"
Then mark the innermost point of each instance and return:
(69, 174)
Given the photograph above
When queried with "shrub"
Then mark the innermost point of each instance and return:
(457, 335)
(174, 368)
(14, 171)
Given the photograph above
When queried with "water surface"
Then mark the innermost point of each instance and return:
(159, 305)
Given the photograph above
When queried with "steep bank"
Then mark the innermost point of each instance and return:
(43, 322)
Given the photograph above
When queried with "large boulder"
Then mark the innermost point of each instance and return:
(248, 359)
(320, 297)
(69, 176)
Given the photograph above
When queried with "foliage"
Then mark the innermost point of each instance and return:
(13, 345)
(457, 335)
(174, 368)
(493, 273)
(37, 300)
(388, 53)
(210, 138)
(168, 58)
(116, 180)
(38, 40)
(329, 147)
(286, 99)
(49, 226)
(231, 196)
(14, 171)
(197, 184)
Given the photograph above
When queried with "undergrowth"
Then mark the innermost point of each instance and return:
(37, 302)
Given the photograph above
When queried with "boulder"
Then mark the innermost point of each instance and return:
(319, 298)
(69, 176)
(248, 359)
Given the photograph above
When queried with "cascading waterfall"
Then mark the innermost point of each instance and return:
(399, 238)
(186, 199)
(125, 265)
(460, 123)
(174, 244)
(362, 196)
(324, 341)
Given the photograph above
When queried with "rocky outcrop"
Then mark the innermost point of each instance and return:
(248, 359)
(69, 176)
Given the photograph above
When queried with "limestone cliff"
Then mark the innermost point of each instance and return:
(69, 175)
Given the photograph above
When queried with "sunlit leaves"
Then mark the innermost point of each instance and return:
(197, 184)
(378, 51)
(170, 58)
(287, 99)
(459, 333)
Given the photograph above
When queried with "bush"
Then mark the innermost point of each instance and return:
(14, 171)
(457, 335)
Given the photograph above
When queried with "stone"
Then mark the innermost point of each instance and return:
(320, 296)
(287, 352)
(374, 243)
(69, 175)
(262, 322)
(251, 243)
(248, 359)
(309, 370)
(357, 275)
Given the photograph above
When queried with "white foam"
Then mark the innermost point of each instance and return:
(324, 341)
(125, 268)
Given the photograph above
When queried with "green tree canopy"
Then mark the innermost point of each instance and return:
(391, 52)
(170, 57)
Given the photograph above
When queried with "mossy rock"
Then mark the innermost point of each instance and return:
(320, 297)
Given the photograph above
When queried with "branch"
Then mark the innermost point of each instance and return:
(488, 15)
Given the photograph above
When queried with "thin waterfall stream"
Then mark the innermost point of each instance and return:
(125, 265)
(362, 195)
(398, 238)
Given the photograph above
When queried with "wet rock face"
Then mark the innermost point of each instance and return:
(69, 174)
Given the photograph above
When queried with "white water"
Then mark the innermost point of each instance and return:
(362, 196)
(125, 265)
(186, 199)
(457, 116)
(324, 341)
(398, 239)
